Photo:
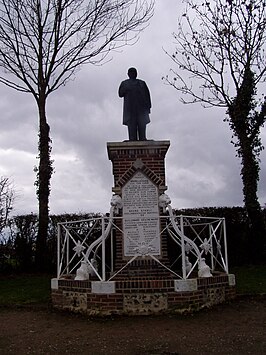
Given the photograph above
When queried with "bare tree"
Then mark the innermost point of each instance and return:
(220, 61)
(7, 196)
(42, 45)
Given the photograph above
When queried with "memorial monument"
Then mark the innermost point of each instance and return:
(141, 258)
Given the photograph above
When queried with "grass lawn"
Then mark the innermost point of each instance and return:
(35, 289)
(24, 289)
(250, 279)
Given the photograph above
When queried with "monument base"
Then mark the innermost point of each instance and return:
(144, 263)
(142, 296)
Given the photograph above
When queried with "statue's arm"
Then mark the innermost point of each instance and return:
(147, 94)
(122, 89)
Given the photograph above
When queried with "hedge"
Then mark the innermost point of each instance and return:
(17, 241)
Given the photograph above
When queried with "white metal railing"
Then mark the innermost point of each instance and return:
(199, 243)
(202, 241)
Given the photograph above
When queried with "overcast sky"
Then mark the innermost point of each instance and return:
(201, 167)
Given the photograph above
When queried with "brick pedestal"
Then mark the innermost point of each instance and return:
(128, 159)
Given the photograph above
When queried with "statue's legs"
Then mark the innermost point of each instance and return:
(142, 131)
(132, 131)
(137, 128)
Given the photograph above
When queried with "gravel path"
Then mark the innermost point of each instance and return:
(235, 328)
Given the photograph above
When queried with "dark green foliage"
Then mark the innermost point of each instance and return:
(18, 245)
(237, 230)
(245, 123)
(25, 229)
(42, 183)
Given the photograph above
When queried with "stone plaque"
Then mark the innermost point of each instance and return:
(141, 217)
(104, 287)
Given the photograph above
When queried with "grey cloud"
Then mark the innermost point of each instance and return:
(201, 168)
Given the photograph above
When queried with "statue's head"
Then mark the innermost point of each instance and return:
(132, 73)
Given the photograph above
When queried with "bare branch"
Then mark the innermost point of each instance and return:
(7, 196)
(215, 42)
(46, 42)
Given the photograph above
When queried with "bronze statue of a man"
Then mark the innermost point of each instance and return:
(137, 105)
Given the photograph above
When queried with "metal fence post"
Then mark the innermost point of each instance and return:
(58, 249)
(225, 246)
(103, 250)
(67, 256)
(184, 273)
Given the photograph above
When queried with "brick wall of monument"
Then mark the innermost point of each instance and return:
(141, 296)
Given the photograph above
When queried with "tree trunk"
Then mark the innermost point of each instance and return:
(242, 124)
(250, 178)
(43, 187)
